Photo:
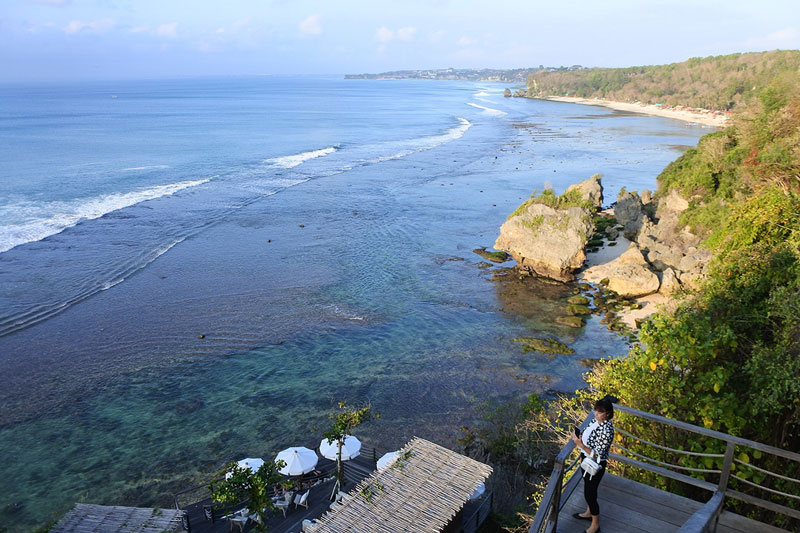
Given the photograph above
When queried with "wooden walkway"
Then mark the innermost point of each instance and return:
(630, 507)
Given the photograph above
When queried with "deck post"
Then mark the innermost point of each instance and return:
(726, 467)
(557, 496)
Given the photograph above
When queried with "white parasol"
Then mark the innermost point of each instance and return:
(253, 463)
(351, 447)
(299, 460)
(387, 460)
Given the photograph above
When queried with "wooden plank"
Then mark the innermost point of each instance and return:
(733, 523)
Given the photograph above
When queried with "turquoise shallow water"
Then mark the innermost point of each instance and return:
(142, 349)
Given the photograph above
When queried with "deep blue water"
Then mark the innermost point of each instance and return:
(198, 270)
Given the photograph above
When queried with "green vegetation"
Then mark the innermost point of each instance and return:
(728, 356)
(495, 257)
(342, 426)
(547, 197)
(716, 82)
(546, 345)
(238, 485)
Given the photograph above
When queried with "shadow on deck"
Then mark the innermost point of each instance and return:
(630, 507)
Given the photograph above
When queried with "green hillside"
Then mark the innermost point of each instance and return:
(720, 83)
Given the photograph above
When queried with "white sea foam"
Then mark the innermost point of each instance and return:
(291, 161)
(426, 143)
(488, 110)
(146, 167)
(482, 93)
(34, 221)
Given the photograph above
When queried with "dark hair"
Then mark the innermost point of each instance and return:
(605, 405)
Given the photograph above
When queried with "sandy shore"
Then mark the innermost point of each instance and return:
(705, 117)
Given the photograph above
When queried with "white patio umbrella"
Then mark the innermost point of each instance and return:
(299, 460)
(387, 460)
(253, 463)
(351, 447)
(478, 492)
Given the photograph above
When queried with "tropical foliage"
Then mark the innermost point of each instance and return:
(716, 82)
(239, 485)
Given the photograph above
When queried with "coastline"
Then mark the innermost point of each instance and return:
(705, 117)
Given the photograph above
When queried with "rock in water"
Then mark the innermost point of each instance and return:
(628, 275)
(590, 189)
(629, 213)
(507, 93)
(546, 241)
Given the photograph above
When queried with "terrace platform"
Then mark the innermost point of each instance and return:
(630, 507)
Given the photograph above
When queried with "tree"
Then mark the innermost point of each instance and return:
(242, 484)
(343, 423)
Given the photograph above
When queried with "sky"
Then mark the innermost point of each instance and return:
(60, 40)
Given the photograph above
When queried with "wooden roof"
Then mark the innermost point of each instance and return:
(89, 518)
(421, 492)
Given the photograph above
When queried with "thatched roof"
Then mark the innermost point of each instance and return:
(87, 518)
(421, 492)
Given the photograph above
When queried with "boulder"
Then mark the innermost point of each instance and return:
(647, 196)
(628, 275)
(669, 282)
(628, 212)
(545, 241)
(507, 93)
(590, 189)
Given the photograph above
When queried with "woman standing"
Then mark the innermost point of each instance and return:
(596, 441)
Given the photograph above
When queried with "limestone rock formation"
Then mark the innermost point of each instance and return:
(591, 189)
(628, 211)
(546, 241)
(628, 275)
(507, 93)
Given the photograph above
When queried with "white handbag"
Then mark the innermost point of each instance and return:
(590, 466)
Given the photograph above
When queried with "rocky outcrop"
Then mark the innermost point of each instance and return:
(629, 213)
(667, 244)
(629, 275)
(591, 189)
(547, 242)
(507, 93)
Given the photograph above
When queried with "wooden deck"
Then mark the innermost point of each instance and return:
(630, 507)
(318, 503)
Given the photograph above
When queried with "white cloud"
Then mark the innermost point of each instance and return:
(96, 26)
(436, 37)
(311, 26)
(407, 33)
(785, 38)
(52, 2)
(384, 35)
(140, 29)
(466, 41)
(167, 30)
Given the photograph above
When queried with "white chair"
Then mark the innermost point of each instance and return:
(301, 500)
(284, 504)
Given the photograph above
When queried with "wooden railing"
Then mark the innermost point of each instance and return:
(705, 520)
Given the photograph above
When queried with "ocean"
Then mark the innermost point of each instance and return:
(194, 271)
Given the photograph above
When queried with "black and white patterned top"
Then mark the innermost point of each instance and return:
(601, 438)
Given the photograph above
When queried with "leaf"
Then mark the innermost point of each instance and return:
(716, 387)
(743, 457)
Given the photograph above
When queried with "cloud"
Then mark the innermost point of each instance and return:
(52, 2)
(407, 33)
(785, 38)
(466, 41)
(167, 30)
(436, 37)
(310, 26)
(96, 26)
(384, 35)
(140, 29)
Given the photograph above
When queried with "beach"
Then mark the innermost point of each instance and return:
(704, 117)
